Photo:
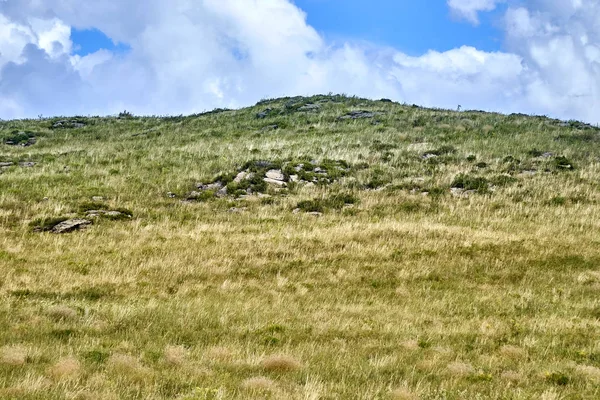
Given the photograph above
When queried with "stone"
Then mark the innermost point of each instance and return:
(275, 174)
(296, 211)
(115, 214)
(315, 213)
(309, 107)
(171, 195)
(270, 128)
(27, 164)
(6, 164)
(222, 192)
(244, 175)
(212, 186)
(236, 210)
(68, 124)
(359, 115)
(427, 156)
(275, 181)
(71, 225)
(294, 178)
(97, 198)
(264, 114)
(547, 155)
(299, 167)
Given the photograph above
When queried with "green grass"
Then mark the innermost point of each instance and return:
(399, 290)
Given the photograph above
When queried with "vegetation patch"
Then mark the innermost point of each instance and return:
(20, 138)
(470, 182)
(333, 202)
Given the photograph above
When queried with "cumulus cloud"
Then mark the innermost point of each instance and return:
(469, 9)
(187, 56)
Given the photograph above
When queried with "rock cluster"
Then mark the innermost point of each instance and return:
(70, 225)
(68, 124)
(23, 139)
(260, 177)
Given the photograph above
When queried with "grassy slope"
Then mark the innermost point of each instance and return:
(404, 295)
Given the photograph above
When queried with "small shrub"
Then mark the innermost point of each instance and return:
(563, 163)
(96, 356)
(558, 378)
(503, 180)
(311, 206)
(335, 202)
(125, 115)
(468, 182)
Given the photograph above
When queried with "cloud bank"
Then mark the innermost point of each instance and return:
(188, 56)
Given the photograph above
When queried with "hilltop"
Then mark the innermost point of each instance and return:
(324, 247)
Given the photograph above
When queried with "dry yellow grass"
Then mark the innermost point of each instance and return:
(175, 355)
(65, 368)
(62, 313)
(259, 383)
(13, 355)
(280, 363)
(403, 394)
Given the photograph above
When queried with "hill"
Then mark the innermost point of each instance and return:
(328, 247)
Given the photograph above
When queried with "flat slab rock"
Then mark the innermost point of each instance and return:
(71, 225)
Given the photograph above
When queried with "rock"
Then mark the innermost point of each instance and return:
(171, 195)
(6, 164)
(67, 124)
(299, 167)
(427, 156)
(315, 213)
(309, 107)
(270, 128)
(275, 174)
(212, 186)
(97, 198)
(46, 199)
(359, 115)
(547, 155)
(222, 192)
(27, 164)
(264, 114)
(244, 175)
(194, 195)
(274, 181)
(236, 210)
(294, 178)
(114, 214)
(71, 225)
(296, 211)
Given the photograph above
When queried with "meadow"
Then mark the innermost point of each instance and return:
(417, 254)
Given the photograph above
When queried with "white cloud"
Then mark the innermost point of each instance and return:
(188, 56)
(469, 9)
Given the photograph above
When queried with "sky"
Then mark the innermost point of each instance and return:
(152, 57)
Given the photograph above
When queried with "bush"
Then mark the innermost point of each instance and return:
(562, 162)
(469, 182)
(335, 202)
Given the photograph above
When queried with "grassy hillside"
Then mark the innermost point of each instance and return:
(402, 253)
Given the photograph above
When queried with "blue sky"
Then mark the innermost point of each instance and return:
(410, 26)
(413, 27)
